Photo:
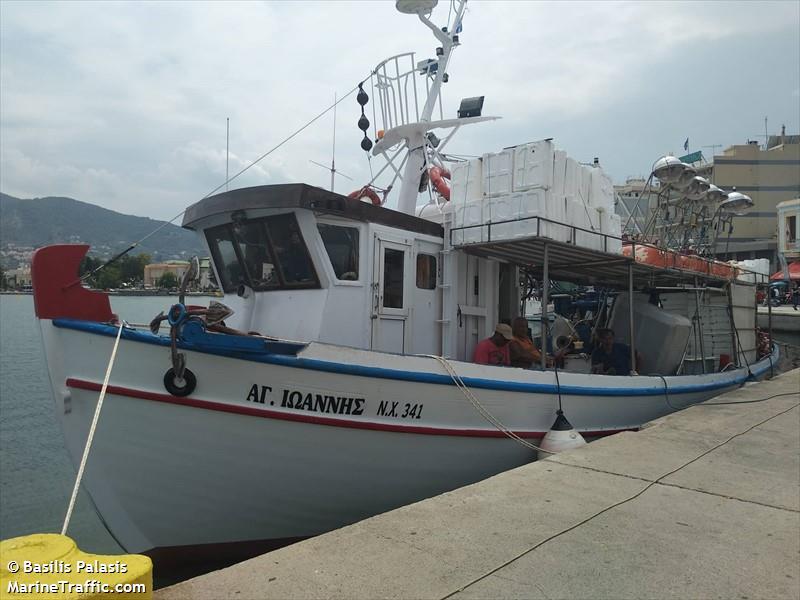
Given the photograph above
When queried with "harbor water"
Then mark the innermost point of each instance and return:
(36, 474)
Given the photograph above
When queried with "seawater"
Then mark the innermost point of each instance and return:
(36, 473)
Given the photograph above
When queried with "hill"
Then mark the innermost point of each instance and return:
(41, 221)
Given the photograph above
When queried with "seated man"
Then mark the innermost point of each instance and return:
(524, 353)
(494, 350)
(610, 357)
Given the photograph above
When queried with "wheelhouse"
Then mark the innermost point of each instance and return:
(302, 263)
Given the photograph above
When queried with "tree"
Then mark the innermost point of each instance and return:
(132, 268)
(168, 281)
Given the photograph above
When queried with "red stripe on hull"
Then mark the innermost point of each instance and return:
(301, 418)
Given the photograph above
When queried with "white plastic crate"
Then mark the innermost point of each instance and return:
(611, 224)
(498, 173)
(571, 184)
(584, 183)
(466, 181)
(559, 172)
(533, 166)
(601, 192)
(586, 218)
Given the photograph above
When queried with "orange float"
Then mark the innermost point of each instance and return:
(670, 259)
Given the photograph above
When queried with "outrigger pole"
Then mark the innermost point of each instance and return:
(545, 294)
(630, 316)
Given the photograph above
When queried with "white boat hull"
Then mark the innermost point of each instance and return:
(341, 434)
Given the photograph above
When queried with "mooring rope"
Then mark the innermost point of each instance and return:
(478, 406)
(91, 431)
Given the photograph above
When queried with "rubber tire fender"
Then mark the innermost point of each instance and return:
(189, 383)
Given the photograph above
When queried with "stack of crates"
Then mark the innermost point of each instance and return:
(509, 188)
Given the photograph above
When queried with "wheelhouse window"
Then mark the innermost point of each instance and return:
(341, 244)
(231, 274)
(393, 278)
(290, 250)
(426, 271)
(265, 254)
(256, 255)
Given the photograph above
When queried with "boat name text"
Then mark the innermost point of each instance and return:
(309, 401)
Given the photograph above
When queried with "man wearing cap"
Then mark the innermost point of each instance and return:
(495, 350)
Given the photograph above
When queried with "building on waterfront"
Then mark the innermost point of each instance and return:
(205, 280)
(155, 271)
(19, 277)
(769, 176)
(789, 229)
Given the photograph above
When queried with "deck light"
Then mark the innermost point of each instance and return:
(697, 188)
(668, 169)
(737, 204)
(686, 177)
(716, 194)
(470, 107)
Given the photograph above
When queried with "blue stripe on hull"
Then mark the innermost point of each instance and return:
(415, 376)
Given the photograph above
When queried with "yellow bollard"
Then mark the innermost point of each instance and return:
(48, 565)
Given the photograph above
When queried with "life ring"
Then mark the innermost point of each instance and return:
(366, 192)
(173, 387)
(438, 176)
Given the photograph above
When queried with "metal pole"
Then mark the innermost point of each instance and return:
(699, 327)
(545, 293)
(769, 316)
(333, 152)
(227, 149)
(734, 349)
(630, 316)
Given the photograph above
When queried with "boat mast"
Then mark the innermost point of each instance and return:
(416, 161)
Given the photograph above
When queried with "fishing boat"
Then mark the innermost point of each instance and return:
(336, 381)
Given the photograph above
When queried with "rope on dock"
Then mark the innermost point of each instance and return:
(91, 431)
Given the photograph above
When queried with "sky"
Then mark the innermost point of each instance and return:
(124, 105)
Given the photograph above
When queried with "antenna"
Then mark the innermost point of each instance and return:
(227, 149)
(332, 168)
(333, 151)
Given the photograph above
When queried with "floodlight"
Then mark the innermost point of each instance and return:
(470, 107)
(716, 194)
(686, 177)
(737, 204)
(697, 188)
(415, 7)
(668, 169)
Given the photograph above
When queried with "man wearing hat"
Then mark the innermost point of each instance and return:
(495, 350)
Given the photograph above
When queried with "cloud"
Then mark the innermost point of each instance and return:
(124, 104)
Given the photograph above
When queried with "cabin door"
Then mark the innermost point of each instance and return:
(390, 296)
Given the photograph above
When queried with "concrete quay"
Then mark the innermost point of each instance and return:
(784, 318)
(704, 503)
